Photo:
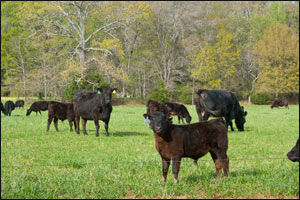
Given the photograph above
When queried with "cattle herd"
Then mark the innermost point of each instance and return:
(173, 142)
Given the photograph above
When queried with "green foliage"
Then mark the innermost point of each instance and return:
(40, 96)
(73, 87)
(216, 63)
(160, 95)
(184, 94)
(259, 99)
(278, 55)
(277, 12)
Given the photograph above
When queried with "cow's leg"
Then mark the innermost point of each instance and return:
(55, 123)
(221, 161)
(77, 119)
(96, 121)
(165, 168)
(217, 165)
(225, 165)
(70, 124)
(49, 122)
(205, 115)
(40, 112)
(199, 114)
(228, 122)
(195, 161)
(73, 121)
(106, 128)
(178, 119)
(175, 169)
(83, 121)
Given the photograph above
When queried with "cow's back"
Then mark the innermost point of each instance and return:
(218, 102)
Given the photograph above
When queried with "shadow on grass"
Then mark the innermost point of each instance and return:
(125, 134)
(212, 175)
(113, 134)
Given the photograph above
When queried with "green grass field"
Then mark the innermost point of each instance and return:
(40, 164)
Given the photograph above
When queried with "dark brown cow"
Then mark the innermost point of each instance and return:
(62, 111)
(278, 103)
(20, 103)
(37, 106)
(178, 109)
(194, 141)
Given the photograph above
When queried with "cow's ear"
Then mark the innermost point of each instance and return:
(245, 113)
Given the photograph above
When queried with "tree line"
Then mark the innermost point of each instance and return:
(165, 50)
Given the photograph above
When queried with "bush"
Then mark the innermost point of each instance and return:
(160, 95)
(259, 99)
(184, 94)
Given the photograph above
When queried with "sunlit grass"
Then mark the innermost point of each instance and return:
(40, 164)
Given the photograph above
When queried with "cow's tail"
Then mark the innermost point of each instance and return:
(204, 106)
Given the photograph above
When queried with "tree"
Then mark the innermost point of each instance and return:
(216, 64)
(15, 49)
(278, 56)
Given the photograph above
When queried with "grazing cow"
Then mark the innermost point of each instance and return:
(60, 111)
(179, 110)
(220, 103)
(293, 154)
(20, 103)
(193, 141)
(2, 108)
(37, 106)
(278, 103)
(9, 107)
(93, 106)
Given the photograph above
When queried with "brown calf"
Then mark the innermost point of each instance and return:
(194, 141)
(178, 109)
(60, 111)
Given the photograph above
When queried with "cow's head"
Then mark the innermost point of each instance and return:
(293, 155)
(106, 93)
(240, 119)
(186, 115)
(159, 123)
(28, 112)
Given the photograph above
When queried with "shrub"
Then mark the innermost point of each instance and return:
(185, 95)
(160, 95)
(259, 99)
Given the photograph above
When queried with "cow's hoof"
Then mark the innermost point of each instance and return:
(175, 181)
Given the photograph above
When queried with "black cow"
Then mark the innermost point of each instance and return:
(220, 103)
(93, 106)
(62, 111)
(20, 103)
(278, 103)
(2, 109)
(293, 154)
(179, 110)
(9, 107)
(173, 142)
(38, 106)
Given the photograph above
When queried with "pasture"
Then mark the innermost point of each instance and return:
(40, 164)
